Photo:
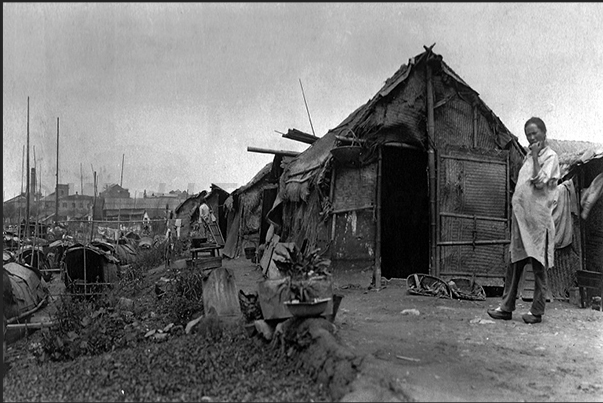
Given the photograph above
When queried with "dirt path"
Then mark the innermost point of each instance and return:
(453, 351)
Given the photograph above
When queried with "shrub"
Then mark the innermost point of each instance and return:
(87, 327)
(184, 296)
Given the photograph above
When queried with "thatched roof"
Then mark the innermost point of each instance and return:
(372, 119)
(262, 173)
(573, 154)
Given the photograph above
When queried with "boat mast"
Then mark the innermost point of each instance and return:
(27, 177)
(56, 189)
(121, 180)
(21, 194)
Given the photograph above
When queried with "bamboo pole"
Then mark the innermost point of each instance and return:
(27, 313)
(307, 110)
(432, 174)
(268, 151)
(32, 325)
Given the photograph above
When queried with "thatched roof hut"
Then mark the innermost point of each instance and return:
(248, 205)
(417, 180)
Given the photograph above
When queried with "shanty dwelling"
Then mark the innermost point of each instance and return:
(215, 200)
(579, 226)
(417, 180)
(88, 269)
(247, 207)
(188, 212)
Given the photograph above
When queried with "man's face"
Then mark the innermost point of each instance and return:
(534, 134)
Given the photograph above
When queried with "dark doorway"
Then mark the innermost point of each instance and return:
(404, 213)
(268, 197)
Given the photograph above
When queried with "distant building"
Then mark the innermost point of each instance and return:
(115, 192)
(71, 206)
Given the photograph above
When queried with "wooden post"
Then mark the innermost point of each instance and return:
(379, 186)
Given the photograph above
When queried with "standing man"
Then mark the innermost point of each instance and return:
(532, 227)
(204, 217)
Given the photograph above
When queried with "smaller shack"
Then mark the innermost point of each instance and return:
(188, 212)
(580, 162)
(89, 268)
(248, 205)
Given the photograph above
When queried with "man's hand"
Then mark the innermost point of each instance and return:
(535, 148)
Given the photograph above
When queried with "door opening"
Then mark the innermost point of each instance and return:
(404, 213)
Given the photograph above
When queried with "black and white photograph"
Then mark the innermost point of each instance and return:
(321, 202)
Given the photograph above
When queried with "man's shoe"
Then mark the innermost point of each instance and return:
(531, 318)
(500, 314)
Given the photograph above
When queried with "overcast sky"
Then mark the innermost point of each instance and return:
(180, 90)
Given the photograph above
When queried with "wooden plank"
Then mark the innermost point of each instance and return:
(211, 262)
(294, 134)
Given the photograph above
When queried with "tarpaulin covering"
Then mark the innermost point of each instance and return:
(24, 290)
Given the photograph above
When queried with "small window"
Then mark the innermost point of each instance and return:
(73, 205)
(65, 205)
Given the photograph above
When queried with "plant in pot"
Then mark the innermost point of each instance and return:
(309, 281)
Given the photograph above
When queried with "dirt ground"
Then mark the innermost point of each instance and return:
(453, 351)
(440, 349)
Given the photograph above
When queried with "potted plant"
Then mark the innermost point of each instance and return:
(309, 282)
